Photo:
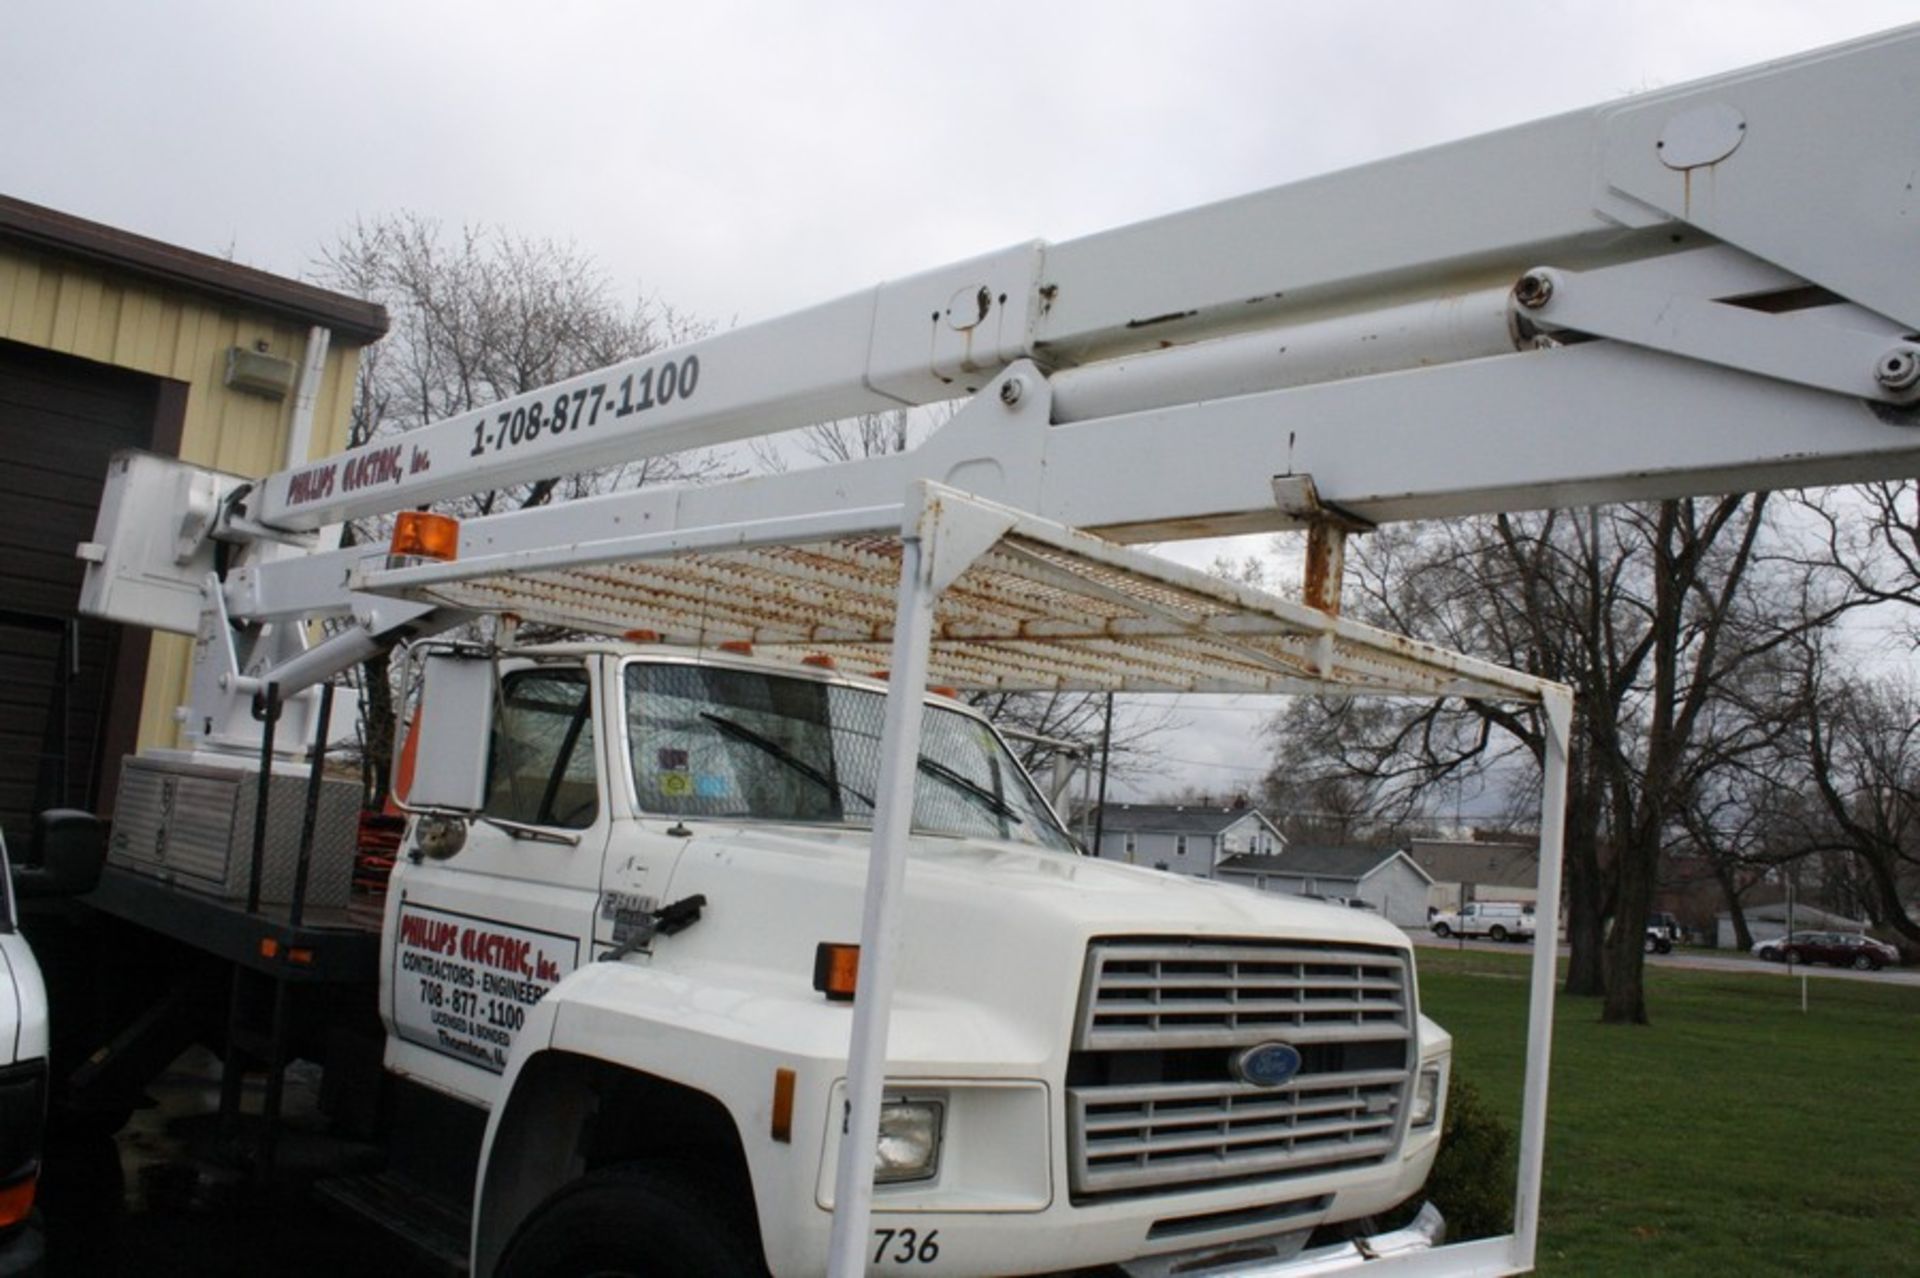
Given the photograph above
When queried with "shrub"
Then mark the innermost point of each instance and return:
(1473, 1177)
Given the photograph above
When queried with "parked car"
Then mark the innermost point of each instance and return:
(1663, 933)
(23, 1089)
(1842, 949)
(1495, 920)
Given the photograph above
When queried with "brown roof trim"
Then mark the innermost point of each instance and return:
(68, 236)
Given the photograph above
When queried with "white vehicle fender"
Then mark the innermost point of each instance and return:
(690, 1043)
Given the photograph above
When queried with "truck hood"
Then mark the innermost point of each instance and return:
(988, 929)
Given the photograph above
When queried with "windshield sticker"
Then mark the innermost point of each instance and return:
(712, 785)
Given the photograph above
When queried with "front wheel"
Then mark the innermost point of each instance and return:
(633, 1221)
(1442, 931)
(1498, 933)
(1864, 963)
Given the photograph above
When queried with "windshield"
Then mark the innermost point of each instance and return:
(707, 741)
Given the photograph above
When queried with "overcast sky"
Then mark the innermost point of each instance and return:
(739, 160)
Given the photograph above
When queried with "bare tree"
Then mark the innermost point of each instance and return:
(478, 316)
(1745, 821)
(851, 439)
(1863, 762)
(1869, 536)
(868, 435)
(1659, 619)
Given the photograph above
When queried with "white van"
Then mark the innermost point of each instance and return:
(23, 1089)
(1495, 920)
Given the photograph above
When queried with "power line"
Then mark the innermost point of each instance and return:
(1201, 763)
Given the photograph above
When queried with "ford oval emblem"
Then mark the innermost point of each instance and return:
(1266, 1065)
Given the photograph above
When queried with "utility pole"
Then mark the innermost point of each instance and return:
(1106, 751)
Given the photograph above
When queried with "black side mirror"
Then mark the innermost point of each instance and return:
(66, 855)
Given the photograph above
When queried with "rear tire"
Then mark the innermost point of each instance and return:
(1498, 933)
(634, 1221)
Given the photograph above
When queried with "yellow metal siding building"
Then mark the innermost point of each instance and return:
(154, 324)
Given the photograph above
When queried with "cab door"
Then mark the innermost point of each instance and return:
(474, 941)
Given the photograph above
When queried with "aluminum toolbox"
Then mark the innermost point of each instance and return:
(190, 824)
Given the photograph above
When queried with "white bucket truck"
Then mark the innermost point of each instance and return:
(697, 961)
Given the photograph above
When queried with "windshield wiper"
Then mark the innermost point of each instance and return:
(741, 732)
(966, 785)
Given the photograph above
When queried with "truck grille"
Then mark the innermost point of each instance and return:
(1153, 1104)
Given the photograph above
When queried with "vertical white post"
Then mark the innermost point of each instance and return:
(1557, 714)
(306, 392)
(880, 927)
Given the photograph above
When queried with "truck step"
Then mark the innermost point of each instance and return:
(431, 1223)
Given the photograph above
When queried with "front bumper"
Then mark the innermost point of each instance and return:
(1285, 1255)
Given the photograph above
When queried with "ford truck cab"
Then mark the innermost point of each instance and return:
(645, 916)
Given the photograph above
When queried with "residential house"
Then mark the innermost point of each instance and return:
(1184, 838)
(1464, 870)
(1386, 878)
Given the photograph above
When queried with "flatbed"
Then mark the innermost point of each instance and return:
(330, 944)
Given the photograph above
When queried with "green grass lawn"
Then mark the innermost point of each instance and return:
(1735, 1135)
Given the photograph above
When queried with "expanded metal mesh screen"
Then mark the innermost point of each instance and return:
(1029, 613)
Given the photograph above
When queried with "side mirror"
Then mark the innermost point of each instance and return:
(456, 731)
(66, 855)
(438, 836)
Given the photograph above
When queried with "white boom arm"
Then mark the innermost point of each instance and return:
(1708, 289)
(1743, 249)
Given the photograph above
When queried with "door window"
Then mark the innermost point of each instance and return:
(541, 770)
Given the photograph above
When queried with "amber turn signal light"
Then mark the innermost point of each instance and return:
(782, 1130)
(16, 1201)
(836, 970)
(421, 534)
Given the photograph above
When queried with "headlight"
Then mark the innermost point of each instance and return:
(909, 1144)
(1426, 1096)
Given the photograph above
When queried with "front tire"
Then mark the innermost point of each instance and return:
(1442, 931)
(637, 1220)
(1864, 963)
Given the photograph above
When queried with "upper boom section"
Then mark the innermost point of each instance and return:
(1799, 173)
